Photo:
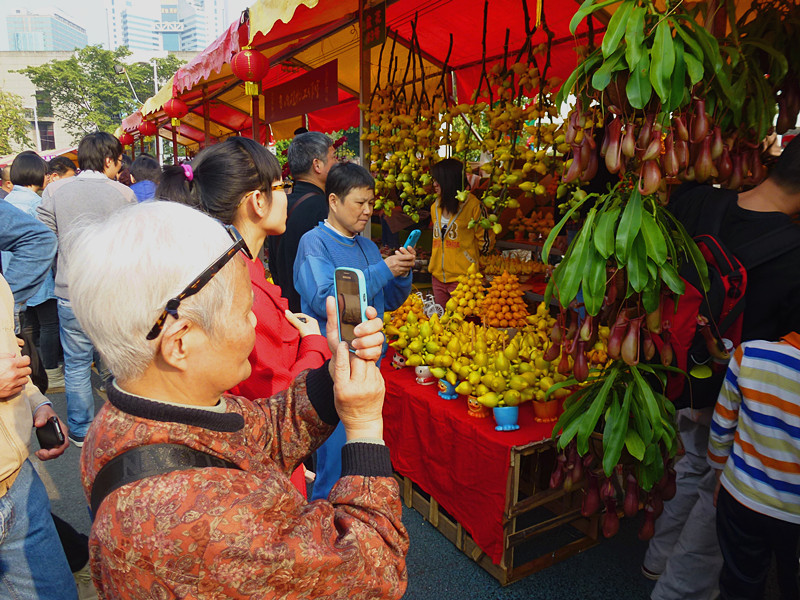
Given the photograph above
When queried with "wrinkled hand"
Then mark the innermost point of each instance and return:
(39, 419)
(358, 390)
(368, 343)
(308, 326)
(402, 261)
(14, 371)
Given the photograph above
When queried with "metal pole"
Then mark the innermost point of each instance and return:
(36, 127)
(160, 141)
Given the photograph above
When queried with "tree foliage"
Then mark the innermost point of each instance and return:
(13, 123)
(87, 92)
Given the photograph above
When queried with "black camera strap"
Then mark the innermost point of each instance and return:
(147, 461)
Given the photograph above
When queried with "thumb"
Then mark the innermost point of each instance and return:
(331, 328)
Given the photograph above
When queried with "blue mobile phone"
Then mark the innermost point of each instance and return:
(350, 290)
(413, 238)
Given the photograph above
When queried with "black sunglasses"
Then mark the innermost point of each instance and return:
(201, 280)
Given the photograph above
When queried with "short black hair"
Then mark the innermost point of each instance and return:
(304, 148)
(300, 130)
(60, 165)
(95, 148)
(786, 172)
(347, 176)
(28, 169)
(145, 167)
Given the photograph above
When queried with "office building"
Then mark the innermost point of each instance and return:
(48, 30)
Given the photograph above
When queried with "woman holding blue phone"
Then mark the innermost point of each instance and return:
(455, 245)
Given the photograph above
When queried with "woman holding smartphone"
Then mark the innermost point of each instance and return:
(239, 182)
(455, 245)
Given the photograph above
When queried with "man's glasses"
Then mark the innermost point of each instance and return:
(201, 280)
(281, 185)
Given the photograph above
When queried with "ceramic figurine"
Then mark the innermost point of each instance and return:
(424, 375)
(447, 390)
(398, 361)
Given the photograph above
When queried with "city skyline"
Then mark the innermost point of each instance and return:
(92, 15)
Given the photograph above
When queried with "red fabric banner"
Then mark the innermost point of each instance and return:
(459, 460)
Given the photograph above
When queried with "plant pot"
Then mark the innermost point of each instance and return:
(506, 417)
(476, 409)
(546, 412)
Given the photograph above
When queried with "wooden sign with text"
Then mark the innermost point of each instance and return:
(307, 93)
(374, 25)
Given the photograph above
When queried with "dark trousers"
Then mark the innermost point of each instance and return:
(748, 540)
(76, 545)
(43, 321)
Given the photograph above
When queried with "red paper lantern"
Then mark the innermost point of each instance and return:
(251, 67)
(175, 109)
(126, 139)
(147, 128)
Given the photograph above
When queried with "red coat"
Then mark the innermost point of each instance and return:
(279, 354)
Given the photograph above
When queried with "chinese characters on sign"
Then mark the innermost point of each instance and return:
(307, 93)
(374, 25)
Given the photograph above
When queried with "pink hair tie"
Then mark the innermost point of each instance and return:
(187, 170)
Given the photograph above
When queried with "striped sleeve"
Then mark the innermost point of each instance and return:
(726, 414)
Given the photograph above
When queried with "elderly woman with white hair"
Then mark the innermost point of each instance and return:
(162, 292)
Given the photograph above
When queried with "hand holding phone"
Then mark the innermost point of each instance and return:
(50, 434)
(412, 238)
(350, 290)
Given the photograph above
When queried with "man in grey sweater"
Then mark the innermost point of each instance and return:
(93, 195)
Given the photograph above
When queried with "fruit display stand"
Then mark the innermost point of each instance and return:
(486, 491)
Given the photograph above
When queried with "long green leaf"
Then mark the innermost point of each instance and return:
(551, 238)
(604, 232)
(662, 61)
(616, 28)
(615, 432)
(775, 54)
(638, 87)
(574, 266)
(641, 422)
(678, 77)
(651, 296)
(694, 67)
(602, 77)
(653, 240)
(594, 280)
(629, 224)
(670, 277)
(634, 36)
(597, 407)
(638, 275)
(710, 47)
(634, 444)
(587, 8)
(649, 400)
(689, 247)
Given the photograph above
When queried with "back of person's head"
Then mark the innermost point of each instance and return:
(224, 173)
(135, 261)
(344, 177)
(306, 147)
(175, 185)
(28, 169)
(95, 148)
(300, 130)
(5, 174)
(786, 172)
(144, 168)
(449, 174)
(61, 166)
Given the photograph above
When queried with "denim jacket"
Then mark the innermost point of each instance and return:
(27, 200)
(33, 246)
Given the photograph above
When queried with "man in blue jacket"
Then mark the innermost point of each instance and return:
(336, 242)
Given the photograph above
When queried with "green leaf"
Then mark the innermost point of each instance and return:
(594, 281)
(663, 61)
(645, 394)
(629, 225)
(694, 67)
(652, 269)
(616, 29)
(654, 241)
(587, 8)
(551, 238)
(615, 431)
(634, 36)
(574, 266)
(780, 60)
(604, 232)
(694, 49)
(678, 77)
(638, 276)
(670, 277)
(592, 415)
(651, 296)
(634, 444)
(641, 423)
(638, 87)
(602, 77)
(710, 47)
(586, 66)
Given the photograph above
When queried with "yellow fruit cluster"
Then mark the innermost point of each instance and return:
(503, 305)
(412, 304)
(468, 295)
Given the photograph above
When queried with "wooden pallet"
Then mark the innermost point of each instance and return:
(532, 510)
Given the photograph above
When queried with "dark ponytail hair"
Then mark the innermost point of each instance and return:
(449, 174)
(175, 185)
(221, 175)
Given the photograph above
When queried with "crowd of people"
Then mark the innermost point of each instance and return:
(222, 384)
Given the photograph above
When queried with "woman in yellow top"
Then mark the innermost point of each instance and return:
(455, 246)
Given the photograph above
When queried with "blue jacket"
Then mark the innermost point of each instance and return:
(27, 200)
(144, 190)
(33, 246)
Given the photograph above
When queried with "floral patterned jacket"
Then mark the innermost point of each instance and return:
(217, 533)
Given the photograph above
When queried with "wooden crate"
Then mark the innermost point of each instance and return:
(532, 511)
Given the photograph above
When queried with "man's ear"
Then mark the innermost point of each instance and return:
(177, 342)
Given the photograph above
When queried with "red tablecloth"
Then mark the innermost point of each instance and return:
(459, 460)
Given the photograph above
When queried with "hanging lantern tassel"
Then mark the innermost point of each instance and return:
(251, 67)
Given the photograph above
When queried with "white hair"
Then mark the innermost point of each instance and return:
(122, 272)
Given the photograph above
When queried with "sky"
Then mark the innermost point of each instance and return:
(89, 14)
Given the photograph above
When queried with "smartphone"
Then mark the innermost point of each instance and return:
(350, 290)
(412, 238)
(50, 434)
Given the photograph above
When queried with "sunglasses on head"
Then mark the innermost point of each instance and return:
(201, 280)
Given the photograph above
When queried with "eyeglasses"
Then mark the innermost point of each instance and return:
(281, 186)
(201, 280)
